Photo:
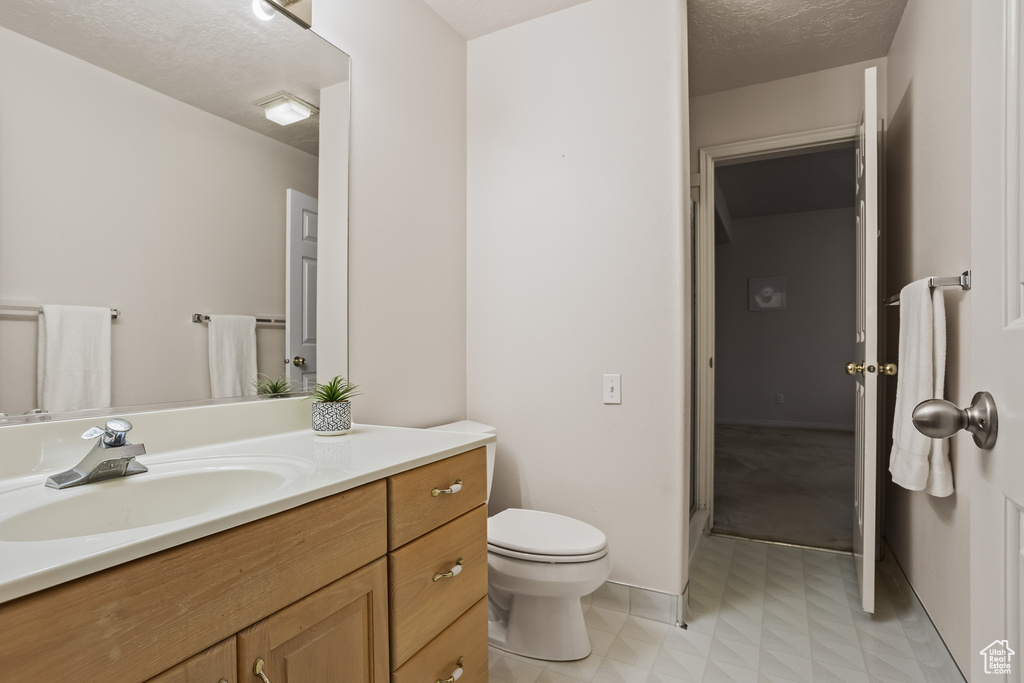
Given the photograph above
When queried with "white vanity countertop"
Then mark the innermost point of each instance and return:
(316, 467)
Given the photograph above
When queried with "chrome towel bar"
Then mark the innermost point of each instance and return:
(260, 320)
(963, 281)
(6, 309)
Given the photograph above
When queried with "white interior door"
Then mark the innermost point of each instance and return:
(997, 338)
(865, 527)
(300, 289)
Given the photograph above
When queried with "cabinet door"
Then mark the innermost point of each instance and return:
(213, 665)
(338, 633)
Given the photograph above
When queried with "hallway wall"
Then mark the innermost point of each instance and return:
(822, 99)
(800, 351)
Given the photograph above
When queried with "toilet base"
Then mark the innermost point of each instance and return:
(545, 628)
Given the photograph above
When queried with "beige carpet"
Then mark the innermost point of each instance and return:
(785, 484)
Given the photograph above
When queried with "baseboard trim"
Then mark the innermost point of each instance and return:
(667, 608)
(889, 568)
(824, 426)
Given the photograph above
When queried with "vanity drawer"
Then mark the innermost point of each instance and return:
(466, 638)
(421, 607)
(413, 511)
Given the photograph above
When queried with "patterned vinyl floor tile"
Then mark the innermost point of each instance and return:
(761, 613)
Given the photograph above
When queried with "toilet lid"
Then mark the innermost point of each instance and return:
(552, 559)
(543, 533)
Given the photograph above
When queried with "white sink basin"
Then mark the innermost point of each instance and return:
(168, 492)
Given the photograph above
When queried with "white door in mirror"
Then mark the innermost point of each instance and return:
(300, 290)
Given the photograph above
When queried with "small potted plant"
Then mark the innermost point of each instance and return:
(272, 388)
(332, 409)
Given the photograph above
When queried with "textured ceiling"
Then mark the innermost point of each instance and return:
(791, 184)
(733, 43)
(216, 56)
(475, 18)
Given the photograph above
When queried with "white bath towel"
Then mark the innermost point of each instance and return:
(73, 361)
(232, 355)
(918, 462)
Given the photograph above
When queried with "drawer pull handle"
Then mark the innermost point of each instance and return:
(455, 674)
(455, 488)
(257, 669)
(454, 571)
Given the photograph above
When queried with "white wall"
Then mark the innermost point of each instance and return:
(929, 213)
(575, 224)
(332, 244)
(822, 99)
(407, 213)
(112, 194)
(800, 351)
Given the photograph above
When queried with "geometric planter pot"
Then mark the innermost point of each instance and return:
(330, 419)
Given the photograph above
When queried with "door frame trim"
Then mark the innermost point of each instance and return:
(703, 317)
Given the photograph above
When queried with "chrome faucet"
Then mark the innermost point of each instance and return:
(111, 457)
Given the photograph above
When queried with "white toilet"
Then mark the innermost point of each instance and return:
(539, 565)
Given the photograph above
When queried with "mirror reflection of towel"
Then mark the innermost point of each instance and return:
(73, 362)
(232, 355)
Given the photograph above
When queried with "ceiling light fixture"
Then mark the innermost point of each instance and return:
(262, 10)
(284, 108)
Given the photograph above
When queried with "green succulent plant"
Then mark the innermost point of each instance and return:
(272, 388)
(337, 390)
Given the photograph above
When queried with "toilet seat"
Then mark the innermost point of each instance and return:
(534, 557)
(544, 537)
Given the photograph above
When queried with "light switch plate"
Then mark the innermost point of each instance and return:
(613, 389)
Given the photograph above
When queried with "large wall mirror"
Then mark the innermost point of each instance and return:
(138, 173)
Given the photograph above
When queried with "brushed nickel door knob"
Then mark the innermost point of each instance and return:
(940, 419)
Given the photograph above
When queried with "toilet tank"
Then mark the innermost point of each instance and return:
(470, 427)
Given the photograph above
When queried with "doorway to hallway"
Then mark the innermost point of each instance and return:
(784, 272)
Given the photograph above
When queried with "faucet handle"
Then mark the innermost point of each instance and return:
(113, 434)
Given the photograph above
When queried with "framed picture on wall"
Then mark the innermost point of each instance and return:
(766, 294)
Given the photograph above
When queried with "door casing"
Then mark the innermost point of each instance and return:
(703, 417)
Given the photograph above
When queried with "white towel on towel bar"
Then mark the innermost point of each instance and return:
(918, 462)
(232, 355)
(73, 361)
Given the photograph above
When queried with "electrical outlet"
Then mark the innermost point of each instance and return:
(613, 389)
(779, 398)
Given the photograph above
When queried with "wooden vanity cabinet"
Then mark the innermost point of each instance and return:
(134, 621)
(436, 618)
(213, 665)
(335, 634)
(313, 591)
(438, 659)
